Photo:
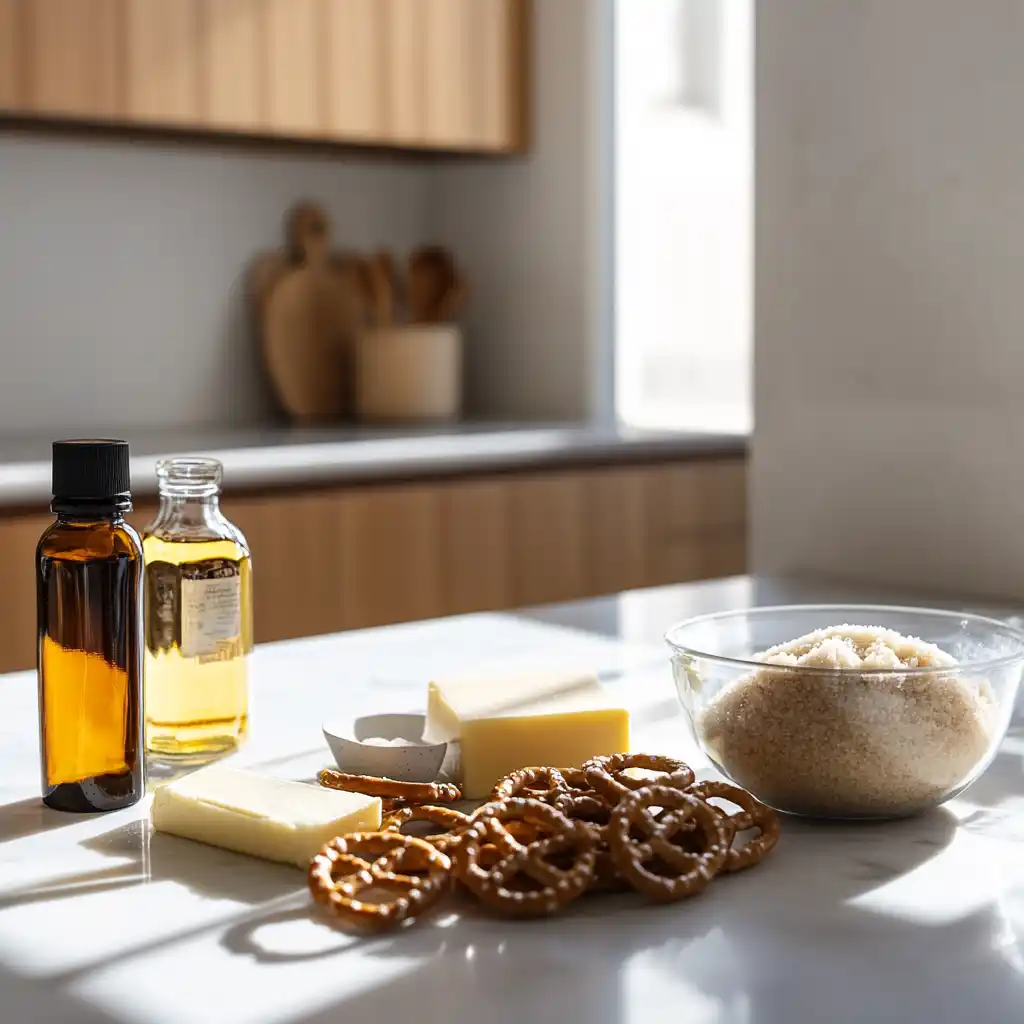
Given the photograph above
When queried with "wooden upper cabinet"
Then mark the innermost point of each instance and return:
(10, 55)
(471, 84)
(436, 74)
(354, 57)
(403, 44)
(162, 60)
(294, 67)
(231, 63)
(68, 52)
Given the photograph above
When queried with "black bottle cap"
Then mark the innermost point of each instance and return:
(95, 469)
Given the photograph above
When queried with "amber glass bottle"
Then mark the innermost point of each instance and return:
(89, 574)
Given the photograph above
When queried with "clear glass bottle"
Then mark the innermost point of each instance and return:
(89, 602)
(198, 617)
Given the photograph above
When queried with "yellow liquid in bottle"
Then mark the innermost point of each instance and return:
(198, 638)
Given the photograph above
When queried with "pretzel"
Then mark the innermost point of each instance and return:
(605, 774)
(451, 821)
(378, 860)
(674, 872)
(537, 783)
(752, 815)
(525, 882)
(516, 822)
(413, 792)
(575, 799)
(576, 779)
(606, 873)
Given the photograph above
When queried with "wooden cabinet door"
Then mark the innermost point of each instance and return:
(471, 78)
(11, 50)
(162, 66)
(615, 528)
(231, 54)
(354, 46)
(475, 546)
(547, 559)
(295, 545)
(389, 559)
(698, 496)
(404, 68)
(70, 57)
(294, 67)
(18, 540)
(501, 74)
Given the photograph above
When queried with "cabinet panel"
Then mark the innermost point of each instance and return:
(71, 58)
(354, 39)
(294, 36)
(389, 563)
(18, 539)
(162, 43)
(452, 82)
(546, 544)
(698, 496)
(404, 65)
(11, 50)
(232, 60)
(616, 529)
(474, 547)
(296, 550)
(499, 72)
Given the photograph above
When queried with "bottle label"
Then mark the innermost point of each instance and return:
(211, 613)
(162, 603)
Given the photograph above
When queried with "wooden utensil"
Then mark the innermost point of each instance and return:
(383, 287)
(434, 286)
(310, 304)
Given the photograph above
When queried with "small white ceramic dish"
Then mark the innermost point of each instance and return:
(406, 757)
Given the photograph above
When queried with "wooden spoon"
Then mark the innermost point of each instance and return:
(382, 282)
(432, 279)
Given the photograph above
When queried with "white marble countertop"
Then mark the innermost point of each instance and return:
(102, 922)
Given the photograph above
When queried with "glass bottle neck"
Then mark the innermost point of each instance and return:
(189, 515)
(89, 517)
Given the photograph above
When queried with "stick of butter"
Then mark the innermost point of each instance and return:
(504, 723)
(275, 819)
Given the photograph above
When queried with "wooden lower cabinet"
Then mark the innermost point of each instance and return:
(347, 558)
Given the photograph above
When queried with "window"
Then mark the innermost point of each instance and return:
(683, 220)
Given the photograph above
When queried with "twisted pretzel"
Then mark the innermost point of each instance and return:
(412, 869)
(574, 798)
(536, 783)
(752, 814)
(607, 774)
(525, 882)
(451, 821)
(655, 865)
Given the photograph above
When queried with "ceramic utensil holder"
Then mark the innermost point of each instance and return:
(409, 373)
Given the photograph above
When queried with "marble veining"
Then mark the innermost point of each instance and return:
(103, 922)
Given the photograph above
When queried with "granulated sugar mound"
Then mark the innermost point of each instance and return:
(848, 744)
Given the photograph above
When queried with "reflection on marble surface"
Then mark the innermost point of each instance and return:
(103, 922)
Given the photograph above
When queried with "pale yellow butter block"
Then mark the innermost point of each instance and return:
(505, 723)
(275, 819)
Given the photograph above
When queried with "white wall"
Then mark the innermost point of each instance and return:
(121, 266)
(534, 233)
(890, 292)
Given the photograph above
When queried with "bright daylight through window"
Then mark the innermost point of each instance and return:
(684, 213)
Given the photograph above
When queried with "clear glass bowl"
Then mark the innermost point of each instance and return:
(847, 743)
